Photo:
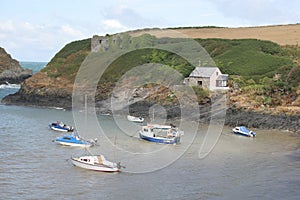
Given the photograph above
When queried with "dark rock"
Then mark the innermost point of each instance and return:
(38, 100)
(10, 69)
(236, 117)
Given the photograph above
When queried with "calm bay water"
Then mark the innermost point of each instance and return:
(33, 167)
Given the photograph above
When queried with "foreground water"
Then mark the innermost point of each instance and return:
(33, 167)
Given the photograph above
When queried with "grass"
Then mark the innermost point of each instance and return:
(249, 59)
(68, 60)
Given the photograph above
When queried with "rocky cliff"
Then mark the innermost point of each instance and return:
(10, 69)
(53, 86)
(43, 91)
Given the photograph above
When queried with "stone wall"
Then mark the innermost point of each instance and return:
(194, 81)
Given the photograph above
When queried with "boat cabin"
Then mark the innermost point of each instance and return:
(87, 159)
(153, 131)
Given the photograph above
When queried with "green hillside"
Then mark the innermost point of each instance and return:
(250, 63)
(250, 58)
(68, 60)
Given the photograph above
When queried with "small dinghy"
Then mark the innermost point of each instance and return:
(74, 140)
(95, 163)
(242, 130)
(60, 126)
(135, 119)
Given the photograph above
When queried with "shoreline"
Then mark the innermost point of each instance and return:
(234, 117)
(261, 120)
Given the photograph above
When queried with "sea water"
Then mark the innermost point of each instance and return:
(32, 166)
(34, 66)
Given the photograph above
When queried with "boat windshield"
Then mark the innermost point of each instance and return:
(244, 129)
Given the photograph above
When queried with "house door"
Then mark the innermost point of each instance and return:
(200, 83)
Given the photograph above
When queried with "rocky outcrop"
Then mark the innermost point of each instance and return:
(234, 116)
(43, 91)
(260, 120)
(10, 69)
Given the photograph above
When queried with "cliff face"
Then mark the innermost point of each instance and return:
(41, 90)
(53, 86)
(10, 69)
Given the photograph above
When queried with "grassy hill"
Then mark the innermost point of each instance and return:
(250, 63)
(68, 60)
(250, 58)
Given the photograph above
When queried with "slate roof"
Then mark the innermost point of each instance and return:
(203, 72)
(223, 77)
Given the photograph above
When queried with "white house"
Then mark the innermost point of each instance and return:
(207, 77)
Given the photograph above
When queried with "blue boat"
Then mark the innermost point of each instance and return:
(60, 126)
(74, 140)
(242, 130)
(160, 134)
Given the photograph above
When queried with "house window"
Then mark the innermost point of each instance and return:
(221, 83)
(199, 83)
(217, 73)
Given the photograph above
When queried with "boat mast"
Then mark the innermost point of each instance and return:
(153, 115)
(85, 113)
(115, 143)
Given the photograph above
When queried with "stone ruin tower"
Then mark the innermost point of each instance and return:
(99, 42)
(102, 43)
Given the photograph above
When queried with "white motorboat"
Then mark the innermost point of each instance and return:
(135, 119)
(95, 163)
(242, 130)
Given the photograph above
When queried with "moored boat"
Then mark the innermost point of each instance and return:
(135, 119)
(161, 134)
(74, 140)
(242, 130)
(96, 163)
(60, 126)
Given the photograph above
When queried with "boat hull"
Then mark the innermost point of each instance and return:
(242, 134)
(73, 144)
(59, 129)
(174, 140)
(100, 168)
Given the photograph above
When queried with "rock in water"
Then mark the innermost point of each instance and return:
(10, 69)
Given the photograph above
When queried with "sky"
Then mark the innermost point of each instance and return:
(35, 30)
